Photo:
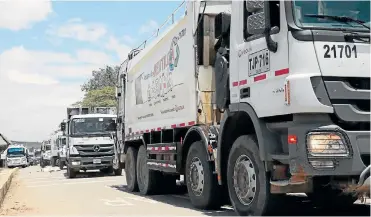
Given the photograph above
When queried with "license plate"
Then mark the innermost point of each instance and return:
(97, 161)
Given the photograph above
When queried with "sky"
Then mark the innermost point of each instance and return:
(49, 48)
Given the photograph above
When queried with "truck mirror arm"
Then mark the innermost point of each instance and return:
(272, 45)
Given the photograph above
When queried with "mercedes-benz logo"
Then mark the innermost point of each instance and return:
(96, 148)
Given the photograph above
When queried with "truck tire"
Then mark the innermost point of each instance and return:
(71, 173)
(130, 169)
(202, 185)
(117, 172)
(245, 166)
(149, 182)
(108, 170)
(52, 162)
(42, 163)
(61, 165)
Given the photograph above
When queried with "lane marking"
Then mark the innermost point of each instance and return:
(70, 183)
(117, 202)
(142, 199)
(124, 201)
(64, 179)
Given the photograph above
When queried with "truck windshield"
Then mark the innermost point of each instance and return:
(48, 147)
(15, 152)
(99, 125)
(307, 14)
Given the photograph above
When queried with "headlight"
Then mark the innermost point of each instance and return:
(327, 144)
(75, 163)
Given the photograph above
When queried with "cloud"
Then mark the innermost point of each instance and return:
(93, 57)
(34, 97)
(129, 39)
(122, 50)
(22, 14)
(75, 28)
(149, 27)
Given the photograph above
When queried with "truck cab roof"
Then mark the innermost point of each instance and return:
(94, 116)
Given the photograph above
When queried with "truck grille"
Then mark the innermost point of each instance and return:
(90, 151)
(350, 98)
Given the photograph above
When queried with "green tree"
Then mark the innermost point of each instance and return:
(106, 77)
(100, 88)
(104, 97)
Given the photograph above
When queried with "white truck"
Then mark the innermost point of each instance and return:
(250, 100)
(16, 156)
(90, 145)
(62, 153)
(46, 153)
(55, 140)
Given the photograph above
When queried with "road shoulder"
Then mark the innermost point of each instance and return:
(6, 176)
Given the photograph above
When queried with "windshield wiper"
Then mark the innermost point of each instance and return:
(343, 19)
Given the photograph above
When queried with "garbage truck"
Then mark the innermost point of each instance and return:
(90, 144)
(46, 153)
(250, 100)
(16, 155)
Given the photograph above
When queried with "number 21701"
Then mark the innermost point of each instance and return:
(340, 51)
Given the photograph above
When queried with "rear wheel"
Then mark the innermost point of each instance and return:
(248, 183)
(202, 185)
(148, 181)
(130, 169)
(53, 162)
(61, 164)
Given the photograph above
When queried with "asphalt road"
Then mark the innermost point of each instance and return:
(50, 193)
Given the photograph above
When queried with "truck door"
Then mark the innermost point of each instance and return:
(261, 71)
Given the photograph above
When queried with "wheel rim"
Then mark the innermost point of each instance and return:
(244, 180)
(196, 176)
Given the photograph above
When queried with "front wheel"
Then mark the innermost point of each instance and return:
(248, 183)
(117, 172)
(203, 189)
(71, 173)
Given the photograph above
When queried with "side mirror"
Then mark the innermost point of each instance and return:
(119, 120)
(118, 93)
(3, 155)
(63, 126)
(222, 24)
(256, 23)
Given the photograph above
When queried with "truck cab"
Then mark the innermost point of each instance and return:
(89, 142)
(16, 156)
(46, 153)
(62, 151)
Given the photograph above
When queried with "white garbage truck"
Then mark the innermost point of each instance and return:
(55, 140)
(90, 144)
(46, 153)
(250, 100)
(62, 152)
(16, 155)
